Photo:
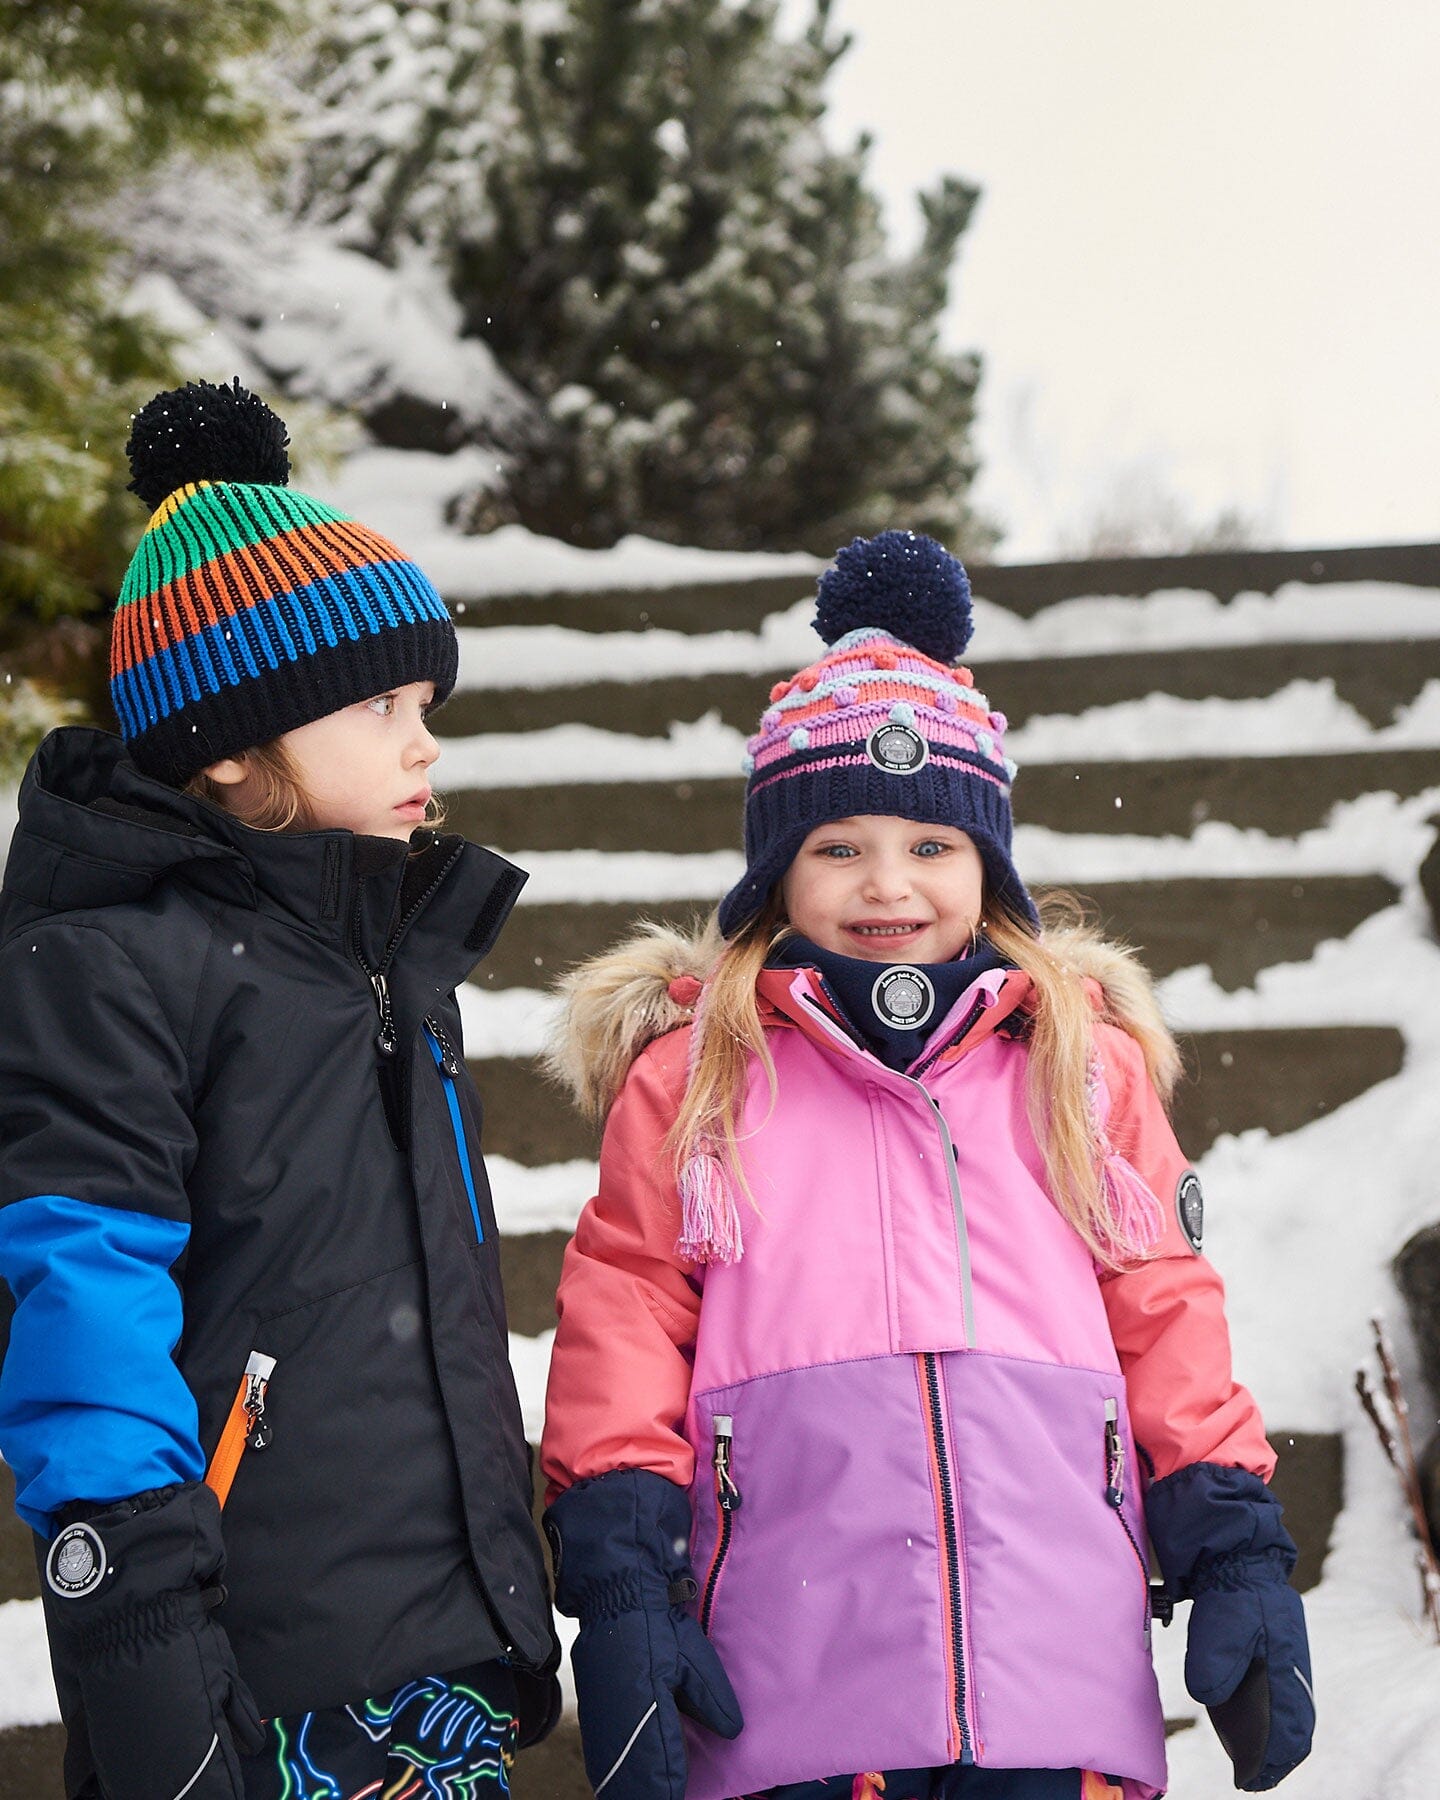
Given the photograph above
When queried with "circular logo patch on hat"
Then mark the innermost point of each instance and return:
(75, 1564)
(897, 749)
(1190, 1209)
(903, 998)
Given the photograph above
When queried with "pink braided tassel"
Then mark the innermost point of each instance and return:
(709, 1217)
(1136, 1222)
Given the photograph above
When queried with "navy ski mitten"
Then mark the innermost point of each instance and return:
(622, 1567)
(129, 1592)
(1220, 1543)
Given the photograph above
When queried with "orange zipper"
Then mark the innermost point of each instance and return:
(245, 1424)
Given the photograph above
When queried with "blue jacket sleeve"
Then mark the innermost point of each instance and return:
(96, 1142)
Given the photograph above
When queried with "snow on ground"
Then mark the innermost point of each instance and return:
(27, 1692)
(1374, 834)
(537, 656)
(1302, 718)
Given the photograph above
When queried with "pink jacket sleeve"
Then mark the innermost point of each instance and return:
(1167, 1314)
(620, 1369)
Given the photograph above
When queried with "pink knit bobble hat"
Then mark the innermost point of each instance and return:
(886, 722)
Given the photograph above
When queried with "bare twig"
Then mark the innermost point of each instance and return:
(1399, 1450)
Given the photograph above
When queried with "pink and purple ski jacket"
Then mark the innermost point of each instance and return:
(908, 1416)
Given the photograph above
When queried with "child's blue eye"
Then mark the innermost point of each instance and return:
(931, 847)
(836, 852)
(383, 705)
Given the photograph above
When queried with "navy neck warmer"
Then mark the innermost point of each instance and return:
(891, 1008)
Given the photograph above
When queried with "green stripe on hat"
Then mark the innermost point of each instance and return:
(216, 519)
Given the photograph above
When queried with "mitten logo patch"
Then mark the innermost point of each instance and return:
(1190, 1209)
(903, 998)
(76, 1562)
(897, 749)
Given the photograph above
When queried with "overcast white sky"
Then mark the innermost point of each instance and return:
(1206, 267)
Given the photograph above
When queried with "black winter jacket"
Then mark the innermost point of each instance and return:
(203, 1139)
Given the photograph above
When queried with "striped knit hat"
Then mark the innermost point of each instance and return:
(885, 723)
(249, 609)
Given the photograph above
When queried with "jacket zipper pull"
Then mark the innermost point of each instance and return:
(258, 1430)
(449, 1062)
(727, 1495)
(385, 1040)
(1114, 1456)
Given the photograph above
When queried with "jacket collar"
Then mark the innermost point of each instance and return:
(797, 997)
(94, 831)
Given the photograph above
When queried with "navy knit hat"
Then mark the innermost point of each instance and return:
(885, 723)
(250, 609)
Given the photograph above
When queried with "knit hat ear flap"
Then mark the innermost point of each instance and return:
(249, 609)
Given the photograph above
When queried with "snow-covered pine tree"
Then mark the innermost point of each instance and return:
(90, 96)
(640, 215)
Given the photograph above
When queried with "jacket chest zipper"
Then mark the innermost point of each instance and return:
(949, 1509)
(448, 1064)
(952, 1173)
(386, 1039)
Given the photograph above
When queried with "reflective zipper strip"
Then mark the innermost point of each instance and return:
(452, 1100)
(223, 1464)
(957, 1202)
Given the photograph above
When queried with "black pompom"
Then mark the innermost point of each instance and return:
(201, 432)
(902, 583)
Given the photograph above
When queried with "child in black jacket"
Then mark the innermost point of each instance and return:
(243, 1214)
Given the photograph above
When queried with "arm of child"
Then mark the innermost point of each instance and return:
(1214, 1523)
(1167, 1313)
(95, 1417)
(620, 1369)
(617, 1465)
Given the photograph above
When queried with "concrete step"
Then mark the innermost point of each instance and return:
(1280, 795)
(1236, 928)
(1376, 678)
(1024, 588)
(1276, 1080)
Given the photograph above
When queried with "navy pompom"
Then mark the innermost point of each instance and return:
(902, 583)
(201, 432)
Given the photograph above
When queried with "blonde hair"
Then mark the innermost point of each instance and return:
(281, 803)
(1059, 1099)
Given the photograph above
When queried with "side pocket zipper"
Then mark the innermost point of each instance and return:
(246, 1427)
(1115, 1493)
(448, 1064)
(727, 1504)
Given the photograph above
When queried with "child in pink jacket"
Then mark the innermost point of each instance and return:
(888, 1338)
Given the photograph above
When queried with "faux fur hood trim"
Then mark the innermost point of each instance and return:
(617, 1003)
(649, 984)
